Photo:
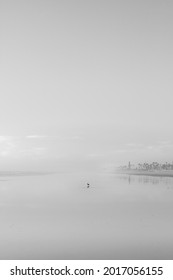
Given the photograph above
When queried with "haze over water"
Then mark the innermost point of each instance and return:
(56, 216)
(85, 86)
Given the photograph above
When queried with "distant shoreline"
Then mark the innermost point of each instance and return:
(23, 173)
(158, 173)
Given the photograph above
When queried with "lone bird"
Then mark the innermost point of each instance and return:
(88, 185)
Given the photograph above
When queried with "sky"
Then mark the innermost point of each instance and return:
(86, 82)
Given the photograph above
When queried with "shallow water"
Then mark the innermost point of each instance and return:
(56, 217)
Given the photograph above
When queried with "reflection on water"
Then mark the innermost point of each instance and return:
(57, 217)
(147, 179)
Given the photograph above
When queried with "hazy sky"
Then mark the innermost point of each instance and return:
(89, 79)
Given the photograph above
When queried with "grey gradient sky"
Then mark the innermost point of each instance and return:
(86, 79)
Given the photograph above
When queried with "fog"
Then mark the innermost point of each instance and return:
(92, 64)
(84, 148)
(86, 86)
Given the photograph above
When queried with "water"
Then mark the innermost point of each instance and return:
(57, 217)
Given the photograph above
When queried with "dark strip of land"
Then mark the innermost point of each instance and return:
(158, 173)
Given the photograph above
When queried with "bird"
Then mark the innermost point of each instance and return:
(88, 185)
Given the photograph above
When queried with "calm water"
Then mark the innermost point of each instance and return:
(56, 217)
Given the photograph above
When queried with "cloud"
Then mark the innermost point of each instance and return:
(150, 147)
(165, 144)
(20, 147)
(135, 145)
(4, 138)
(7, 145)
(119, 151)
(36, 136)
